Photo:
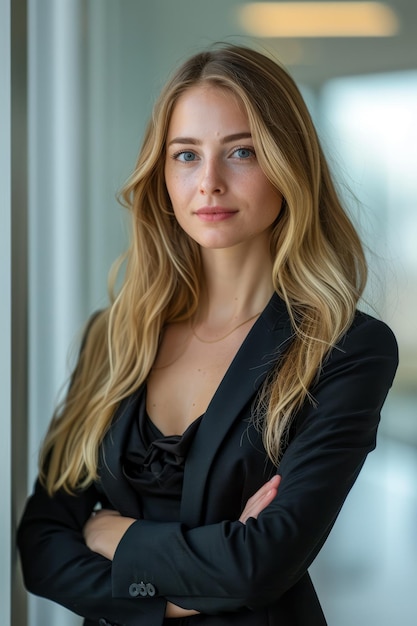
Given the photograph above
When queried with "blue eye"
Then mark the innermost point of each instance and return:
(185, 156)
(244, 153)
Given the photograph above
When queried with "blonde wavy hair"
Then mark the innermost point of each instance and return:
(319, 267)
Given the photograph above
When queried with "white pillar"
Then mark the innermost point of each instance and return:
(57, 220)
(5, 312)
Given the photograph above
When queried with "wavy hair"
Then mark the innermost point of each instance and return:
(319, 267)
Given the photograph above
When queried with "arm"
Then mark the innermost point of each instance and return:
(59, 566)
(104, 530)
(254, 564)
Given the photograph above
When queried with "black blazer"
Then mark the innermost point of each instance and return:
(253, 574)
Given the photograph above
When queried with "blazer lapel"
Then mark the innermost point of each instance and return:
(117, 489)
(267, 340)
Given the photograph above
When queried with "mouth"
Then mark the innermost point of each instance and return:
(215, 213)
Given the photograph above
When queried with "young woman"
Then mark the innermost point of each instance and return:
(224, 404)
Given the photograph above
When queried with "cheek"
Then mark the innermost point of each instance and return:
(168, 182)
(277, 205)
(171, 182)
(177, 189)
(271, 199)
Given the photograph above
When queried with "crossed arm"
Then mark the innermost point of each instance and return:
(105, 529)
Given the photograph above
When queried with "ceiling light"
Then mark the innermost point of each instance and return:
(318, 19)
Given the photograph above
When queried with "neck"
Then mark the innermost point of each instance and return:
(237, 285)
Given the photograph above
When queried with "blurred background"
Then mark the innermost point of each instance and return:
(77, 82)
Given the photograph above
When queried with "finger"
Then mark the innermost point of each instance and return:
(260, 494)
(106, 513)
(262, 502)
(261, 499)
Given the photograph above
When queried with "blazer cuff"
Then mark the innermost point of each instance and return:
(131, 577)
(138, 588)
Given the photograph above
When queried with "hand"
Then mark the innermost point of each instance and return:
(261, 499)
(104, 530)
(172, 610)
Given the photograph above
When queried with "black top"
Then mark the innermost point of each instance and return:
(154, 466)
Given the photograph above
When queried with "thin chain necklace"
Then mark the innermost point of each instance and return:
(227, 334)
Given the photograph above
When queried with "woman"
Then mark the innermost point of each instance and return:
(225, 402)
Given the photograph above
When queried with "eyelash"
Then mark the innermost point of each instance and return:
(250, 149)
(177, 154)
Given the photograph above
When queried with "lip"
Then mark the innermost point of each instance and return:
(215, 213)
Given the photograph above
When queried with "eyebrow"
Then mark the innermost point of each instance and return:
(197, 142)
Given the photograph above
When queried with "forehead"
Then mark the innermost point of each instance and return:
(207, 106)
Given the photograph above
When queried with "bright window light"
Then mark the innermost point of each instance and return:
(318, 19)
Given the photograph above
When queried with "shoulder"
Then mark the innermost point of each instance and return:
(97, 322)
(367, 350)
(370, 335)
(95, 329)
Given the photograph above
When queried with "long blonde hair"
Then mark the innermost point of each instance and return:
(319, 267)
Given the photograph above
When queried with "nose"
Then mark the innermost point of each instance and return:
(212, 178)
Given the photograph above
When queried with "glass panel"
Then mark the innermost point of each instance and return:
(364, 573)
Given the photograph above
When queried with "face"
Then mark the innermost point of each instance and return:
(219, 194)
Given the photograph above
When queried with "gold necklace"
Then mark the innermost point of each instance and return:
(227, 334)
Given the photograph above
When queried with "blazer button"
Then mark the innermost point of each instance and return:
(142, 590)
(133, 590)
(151, 591)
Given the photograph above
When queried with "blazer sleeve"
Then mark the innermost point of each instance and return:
(232, 565)
(57, 564)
